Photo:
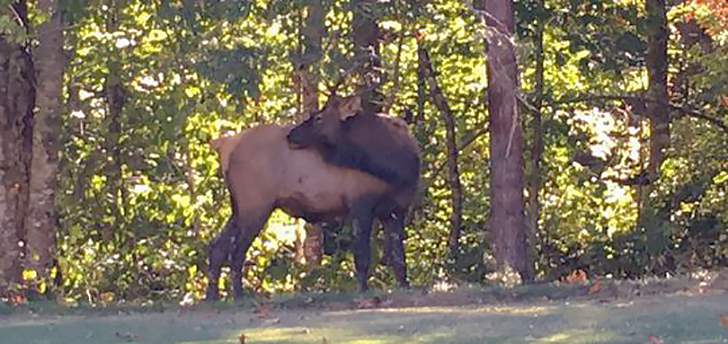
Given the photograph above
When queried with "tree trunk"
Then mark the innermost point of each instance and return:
(116, 97)
(452, 151)
(654, 219)
(537, 148)
(421, 94)
(507, 221)
(365, 34)
(40, 223)
(17, 98)
(658, 110)
(312, 33)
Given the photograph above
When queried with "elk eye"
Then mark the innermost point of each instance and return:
(318, 119)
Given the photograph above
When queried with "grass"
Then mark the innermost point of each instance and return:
(470, 316)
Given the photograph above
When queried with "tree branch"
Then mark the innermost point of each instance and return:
(452, 151)
(675, 107)
(461, 148)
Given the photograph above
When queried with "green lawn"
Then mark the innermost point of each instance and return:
(672, 318)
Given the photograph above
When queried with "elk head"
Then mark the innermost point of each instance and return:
(324, 128)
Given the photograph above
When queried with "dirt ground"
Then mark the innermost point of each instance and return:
(597, 312)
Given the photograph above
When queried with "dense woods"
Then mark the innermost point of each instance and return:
(556, 136)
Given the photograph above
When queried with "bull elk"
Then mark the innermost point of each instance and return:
(263, 173)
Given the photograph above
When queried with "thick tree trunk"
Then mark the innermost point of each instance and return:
(40, 223)
(658, 110)
(452, 151)
(312, 34)
(651, 216)
(17, 98)
(507, 221)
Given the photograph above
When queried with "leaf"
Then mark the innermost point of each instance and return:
(595, 288)
(724, 319)
(577, 275)
(654, 339)
(721, 177)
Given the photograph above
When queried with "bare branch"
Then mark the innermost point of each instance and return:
(461, 147)
(675, 107)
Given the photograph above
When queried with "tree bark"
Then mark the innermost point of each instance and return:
(452, 151)
(40, 223)
(652, 218)
(312, 34)
(116, 97)
(365, 34)
(658, 111)
(507, 221)
(17, 99)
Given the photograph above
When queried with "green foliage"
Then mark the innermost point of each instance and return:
(140, 194)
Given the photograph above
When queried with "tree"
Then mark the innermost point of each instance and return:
(658, 108)
(452, 150)
(17, 99)
(507, 221)
(41, 221)
(312, 32)
(655, 217)
(365, 34)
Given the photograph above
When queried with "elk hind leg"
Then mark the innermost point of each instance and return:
(362, 216)
(394, 239)
(245, 238)
(219, 252)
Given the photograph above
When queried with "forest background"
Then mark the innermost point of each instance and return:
(110, 191)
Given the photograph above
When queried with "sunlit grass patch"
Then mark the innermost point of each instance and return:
(317, 335)
(579, 336)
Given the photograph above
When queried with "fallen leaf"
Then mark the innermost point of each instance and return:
(576, 276)
(654, 339)
(595, 288)
(724, 319)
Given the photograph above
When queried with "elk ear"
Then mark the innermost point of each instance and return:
(349, 106)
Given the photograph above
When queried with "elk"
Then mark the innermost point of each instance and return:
(263, 172)
(377, 144)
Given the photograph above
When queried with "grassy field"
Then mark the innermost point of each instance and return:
(675, 316)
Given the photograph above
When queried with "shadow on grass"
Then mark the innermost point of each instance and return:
(304, 319)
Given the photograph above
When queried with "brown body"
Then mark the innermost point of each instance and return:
(263, 173)
(266, 173)
(378, 144)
